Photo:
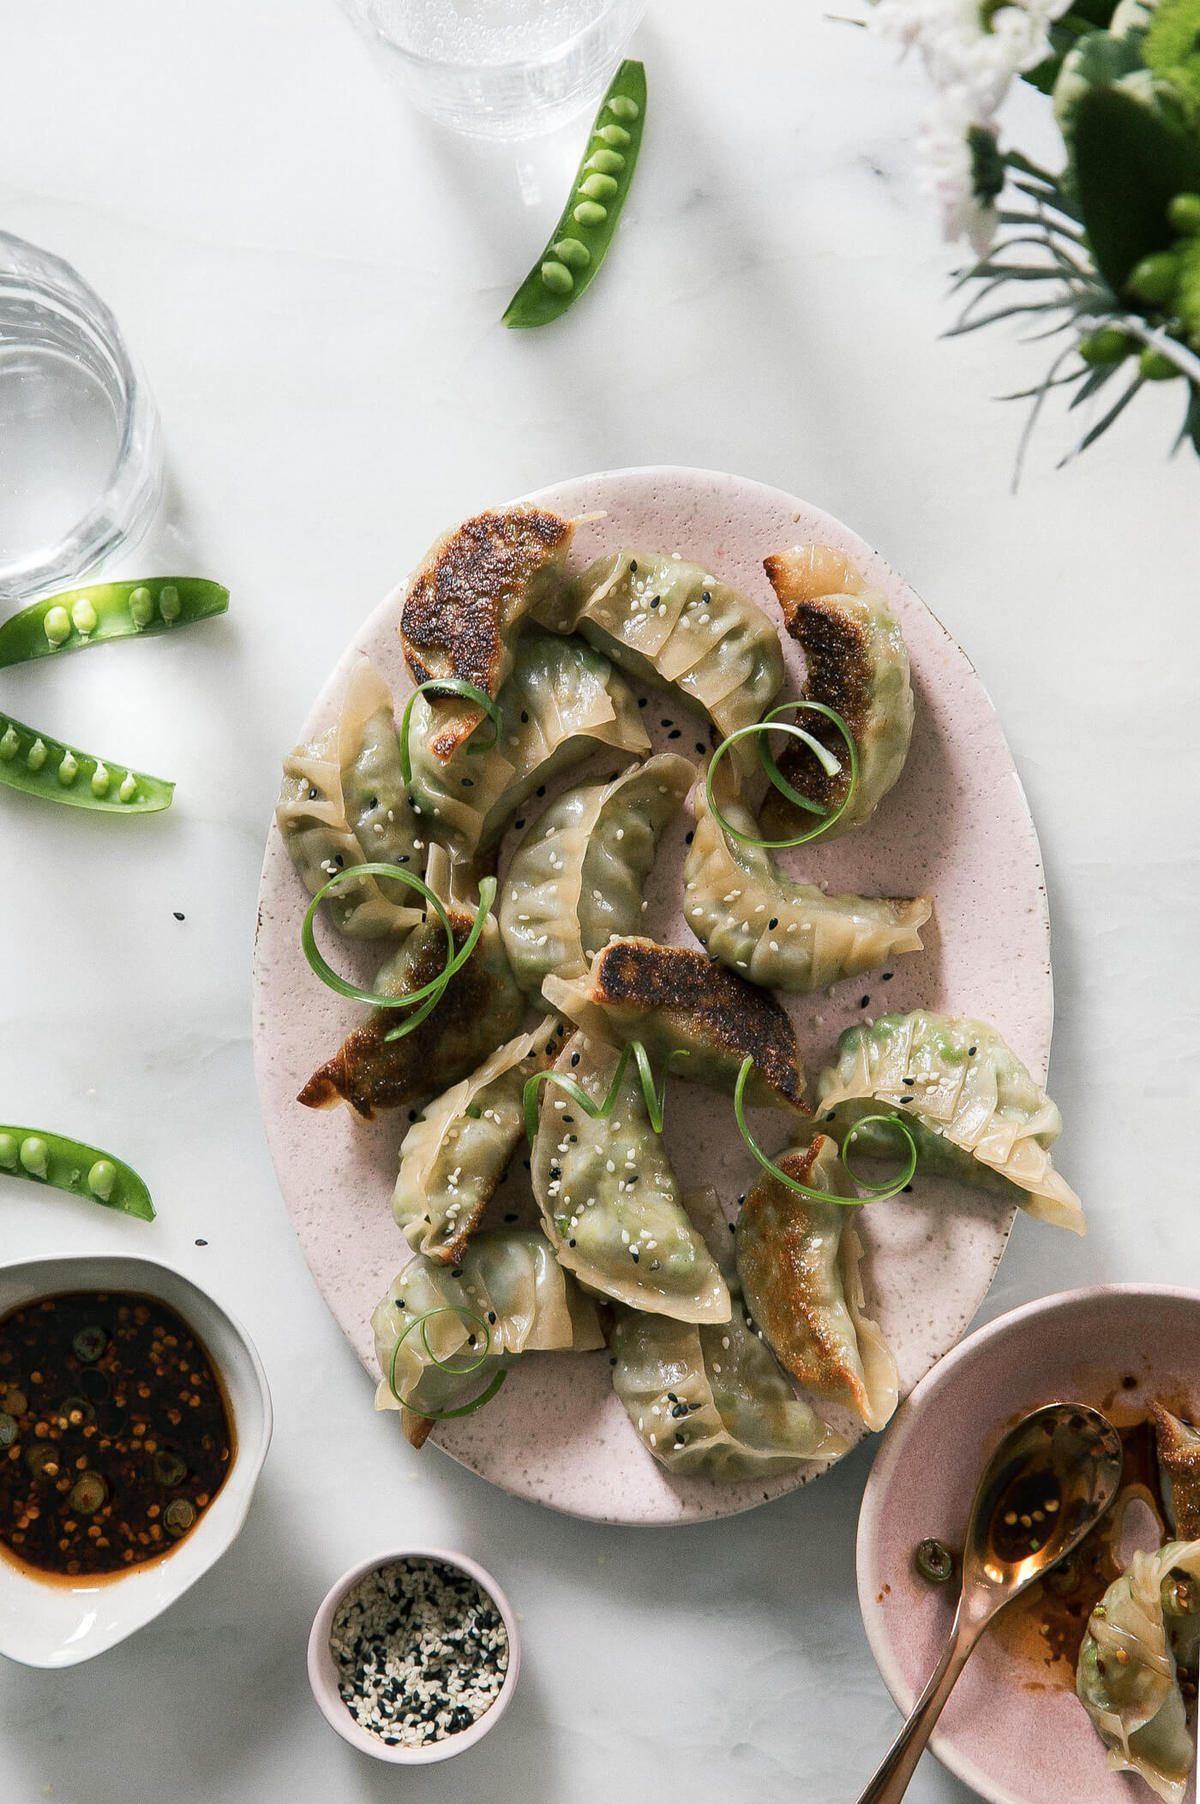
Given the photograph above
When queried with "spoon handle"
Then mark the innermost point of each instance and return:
(899, 1763)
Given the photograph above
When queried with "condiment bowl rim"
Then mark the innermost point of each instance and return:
(322, 1673)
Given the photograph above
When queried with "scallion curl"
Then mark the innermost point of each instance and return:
(448, 686)
(466, 1409)
(877, 1192)
(429, 993)
(770, 723)
(654, 1099)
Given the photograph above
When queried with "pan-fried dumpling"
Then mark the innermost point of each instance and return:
(973, 1110)
(798, 1261)
(673, 999)
(1177, 1445)
(710, 1400)
(857, 665)
(610, 1201)
(671, 622)
(780, 934)
(464, 604)
(1145, 1626)
(452, 1159)
(562, 702)
(479, 1006)
(344, 802)
(575, 880)
(509, 1279)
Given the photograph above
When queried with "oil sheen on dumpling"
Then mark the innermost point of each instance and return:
(562, 702)
(667, 621)
(973, 1109)
(464, 604)
(575, 881)
(1144, 1627)
(673, 999)
(857, 665)
(781, 934)
(480, 1006)
(798, 1261)
(344, 802)
(610, 1201)
(454, 1156)
(509, 1280)
(711, 1400)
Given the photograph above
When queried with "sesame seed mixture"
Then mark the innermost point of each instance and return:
(421, 1652)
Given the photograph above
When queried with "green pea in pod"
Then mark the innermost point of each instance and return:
(72, 1166)
(45, 767)
(580, 240)
(90, 616)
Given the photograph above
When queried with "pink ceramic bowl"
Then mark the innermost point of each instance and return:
(1013, 1729)
(323, 1669)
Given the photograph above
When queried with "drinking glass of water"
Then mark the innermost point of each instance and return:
(80, 446)
(501, 68)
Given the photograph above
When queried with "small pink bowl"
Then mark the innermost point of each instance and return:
(1013, 1730)
(323, 1672)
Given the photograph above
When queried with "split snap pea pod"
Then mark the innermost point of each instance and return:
(45, 767)
(89, 616)
(582, 236)
(71, 1166)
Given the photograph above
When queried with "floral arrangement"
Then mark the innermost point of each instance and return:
(1104, 252)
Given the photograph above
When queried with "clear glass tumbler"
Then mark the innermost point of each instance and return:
(501, 68)
(80, 443)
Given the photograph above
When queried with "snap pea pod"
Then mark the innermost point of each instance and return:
(581, 238)
(45, 767)
(71, 1166)
(131, 610)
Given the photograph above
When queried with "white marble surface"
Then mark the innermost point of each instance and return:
(313, 279)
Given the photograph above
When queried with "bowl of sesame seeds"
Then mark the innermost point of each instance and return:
(414, 1655)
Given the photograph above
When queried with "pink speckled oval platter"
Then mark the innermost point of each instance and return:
(1013, 1729)
(956, 827)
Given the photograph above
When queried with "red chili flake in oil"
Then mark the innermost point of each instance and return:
(100, 1466)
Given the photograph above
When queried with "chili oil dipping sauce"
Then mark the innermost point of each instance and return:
(115, 1435)
(414, 1655)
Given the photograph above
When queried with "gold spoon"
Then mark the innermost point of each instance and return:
(1063, 1461)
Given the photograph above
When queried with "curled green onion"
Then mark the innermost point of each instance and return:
(429, 993)
(770, 723)
(876, 1192)
(655, 1099)
(445, 686)
(466, 1409)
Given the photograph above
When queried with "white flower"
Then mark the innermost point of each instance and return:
(973, 54)
(959, 165)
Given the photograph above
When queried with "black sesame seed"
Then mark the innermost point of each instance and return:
(773, 923)
(518, 824)
(643, 701)
(887, 977)
(689, 837)
(675, 733)
(700, 747)
(633, 566)
(574, 1058)
(864, 1002)
(525, 717)
(511, 1216)
(178, 916)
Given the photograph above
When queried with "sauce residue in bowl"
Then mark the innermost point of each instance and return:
(1043, 1628)
(115, 1435)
